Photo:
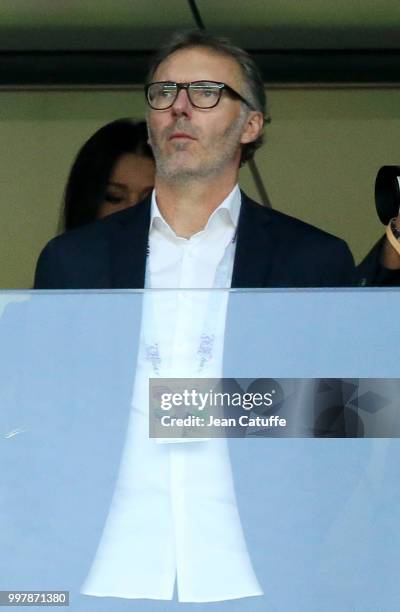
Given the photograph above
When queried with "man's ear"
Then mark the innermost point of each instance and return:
(253, 127)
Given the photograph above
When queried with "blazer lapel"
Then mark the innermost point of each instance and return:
(128, 247)
(254, 250)
(252, 265)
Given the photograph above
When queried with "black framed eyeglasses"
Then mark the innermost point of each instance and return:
(202, 94)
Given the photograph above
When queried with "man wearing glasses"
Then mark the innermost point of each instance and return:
(206, 112)
(197, 230)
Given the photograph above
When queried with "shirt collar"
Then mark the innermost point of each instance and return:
(227, 211)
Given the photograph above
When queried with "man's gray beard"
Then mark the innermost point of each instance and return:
(179, 175)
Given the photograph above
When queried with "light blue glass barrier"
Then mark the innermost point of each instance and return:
(321, 516)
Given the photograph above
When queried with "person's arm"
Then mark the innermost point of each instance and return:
(390, 256)
(381, 267)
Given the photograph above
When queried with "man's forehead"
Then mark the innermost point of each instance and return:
(198, 63)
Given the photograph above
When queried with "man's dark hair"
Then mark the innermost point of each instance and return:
(87, 182)
(254, 87)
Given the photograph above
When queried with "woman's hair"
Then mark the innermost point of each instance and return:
(87, 182)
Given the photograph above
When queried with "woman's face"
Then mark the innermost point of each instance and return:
(131, 180)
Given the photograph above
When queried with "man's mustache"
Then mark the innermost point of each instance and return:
(180, 126)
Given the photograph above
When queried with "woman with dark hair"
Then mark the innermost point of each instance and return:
(113, 170)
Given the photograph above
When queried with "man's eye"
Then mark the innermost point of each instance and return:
(209, 93)
(166, 93)
(206, 92)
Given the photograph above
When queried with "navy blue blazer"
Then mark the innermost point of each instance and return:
(273, 250)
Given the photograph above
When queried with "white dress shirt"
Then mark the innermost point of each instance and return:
(174, 514)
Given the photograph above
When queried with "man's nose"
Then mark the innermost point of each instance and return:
(182, 105)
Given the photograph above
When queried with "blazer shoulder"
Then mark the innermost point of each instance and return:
(65, 255)
(80, 258)
(295, 253)
(284, 223)
(65, 258)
